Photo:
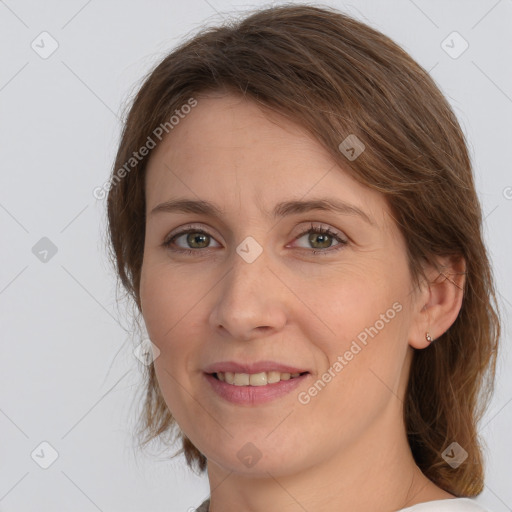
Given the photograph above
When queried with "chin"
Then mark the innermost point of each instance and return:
(262, 468)
(255, 458)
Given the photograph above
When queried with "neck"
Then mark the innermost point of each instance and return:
(377, 472)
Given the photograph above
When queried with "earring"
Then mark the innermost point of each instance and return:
(428, 337)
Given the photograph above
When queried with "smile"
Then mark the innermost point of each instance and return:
(255, 379)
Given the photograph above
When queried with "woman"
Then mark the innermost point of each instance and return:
(293, 211)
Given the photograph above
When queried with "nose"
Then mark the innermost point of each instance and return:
(251, 302)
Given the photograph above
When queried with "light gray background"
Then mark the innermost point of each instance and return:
(68, 374)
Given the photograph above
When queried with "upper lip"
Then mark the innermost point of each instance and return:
(256, 367)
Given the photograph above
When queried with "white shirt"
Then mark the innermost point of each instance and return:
(449, 505)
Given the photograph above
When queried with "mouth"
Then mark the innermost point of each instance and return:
(254, 389)
(255, 379)
(254, 383)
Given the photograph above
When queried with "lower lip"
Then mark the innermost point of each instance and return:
(253, 395)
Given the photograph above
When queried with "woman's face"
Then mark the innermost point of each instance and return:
(251, 275)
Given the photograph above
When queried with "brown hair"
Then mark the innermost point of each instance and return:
(336, 76)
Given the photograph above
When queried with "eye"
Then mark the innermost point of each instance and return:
(320, 239)
(191, 239)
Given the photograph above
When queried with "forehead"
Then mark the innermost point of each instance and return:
(229, 150)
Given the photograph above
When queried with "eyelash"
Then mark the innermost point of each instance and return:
(312, 229)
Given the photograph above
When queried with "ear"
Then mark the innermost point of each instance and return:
(439, 300)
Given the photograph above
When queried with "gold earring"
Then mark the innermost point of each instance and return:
(428, 337)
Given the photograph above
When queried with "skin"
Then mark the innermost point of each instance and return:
(346, 449)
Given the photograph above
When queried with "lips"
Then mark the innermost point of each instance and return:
(256, 367)
(253, 395)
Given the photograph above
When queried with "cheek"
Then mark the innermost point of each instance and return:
(343, 302)
(172, 313)
(171, 306)
(358, 322)
(165, 298)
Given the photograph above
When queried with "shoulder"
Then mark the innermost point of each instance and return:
(449, 505)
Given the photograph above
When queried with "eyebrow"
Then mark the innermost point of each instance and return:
(282, 209)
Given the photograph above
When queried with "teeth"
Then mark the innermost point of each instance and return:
(254, 379)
